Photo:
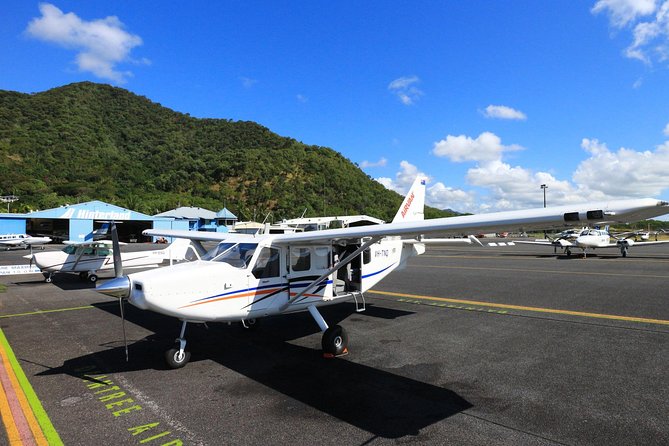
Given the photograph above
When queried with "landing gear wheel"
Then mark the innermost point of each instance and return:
(177, 358)
(47, 279)
(335, 341)
(92, 278)
(249, 324)
(568, 251)
(623, 252)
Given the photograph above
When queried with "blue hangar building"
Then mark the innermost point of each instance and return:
(78, 221)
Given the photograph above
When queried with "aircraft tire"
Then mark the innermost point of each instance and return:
(92, 278)
(335, 340)
(176, 361)
(47, 279)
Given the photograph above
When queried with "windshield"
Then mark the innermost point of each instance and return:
(70, 249)
(218, 250)
(239, 255)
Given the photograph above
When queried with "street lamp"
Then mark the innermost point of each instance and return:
(544, 187)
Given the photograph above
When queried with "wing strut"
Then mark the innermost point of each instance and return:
(345, 261)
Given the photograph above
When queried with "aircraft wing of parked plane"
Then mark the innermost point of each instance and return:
(246, 278)
(589, 239)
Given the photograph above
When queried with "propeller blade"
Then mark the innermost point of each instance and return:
(125, 340)
(118, 264)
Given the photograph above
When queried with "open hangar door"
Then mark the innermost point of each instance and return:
(128, 231)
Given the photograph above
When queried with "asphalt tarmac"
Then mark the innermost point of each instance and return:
(467, 345)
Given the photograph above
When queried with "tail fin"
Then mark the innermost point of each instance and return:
(177, 249)
(413, 206)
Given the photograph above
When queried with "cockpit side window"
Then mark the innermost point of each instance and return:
(238, 255)
(267, 264)
(70, 249)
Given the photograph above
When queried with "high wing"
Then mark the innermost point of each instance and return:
(598, 213)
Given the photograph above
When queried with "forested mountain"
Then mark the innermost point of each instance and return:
(88, 141)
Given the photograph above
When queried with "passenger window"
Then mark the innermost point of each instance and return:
(300, 259)
(321, 255)
(88, 251)
(103, 252)
(267, 264)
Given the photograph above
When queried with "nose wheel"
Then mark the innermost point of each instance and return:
(178, 357)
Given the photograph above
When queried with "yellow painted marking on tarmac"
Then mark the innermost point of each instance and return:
(8, 420)
(525, 308)
(549, 271)
(57, 310)
(38, 436)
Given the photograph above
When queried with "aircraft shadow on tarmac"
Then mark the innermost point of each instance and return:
(385, 404)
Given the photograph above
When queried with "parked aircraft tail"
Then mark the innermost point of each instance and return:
(177, 249)
(413, 206)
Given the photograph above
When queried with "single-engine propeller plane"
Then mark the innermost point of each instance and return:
(247, 277)
(88, 258)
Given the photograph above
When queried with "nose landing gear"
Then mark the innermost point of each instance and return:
(178, 357)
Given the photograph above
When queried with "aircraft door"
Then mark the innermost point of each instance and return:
(306, 264)
(267, 280)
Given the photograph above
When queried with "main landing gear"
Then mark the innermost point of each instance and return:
(334, 341)
(335, 338)
(88, 276)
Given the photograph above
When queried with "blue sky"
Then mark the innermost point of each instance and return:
(488, 99)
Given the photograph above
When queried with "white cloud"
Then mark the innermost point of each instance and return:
(666, 130)
(248, 82)
(624, 173)
(380, 163)
(403, 179)
(503, 112)
(438, 195)
(405, 89)
(649, 21)
(100, 44)
(302, 98)
(487, 146)
(622, 12)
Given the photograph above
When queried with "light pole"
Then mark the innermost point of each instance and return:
(544, 187)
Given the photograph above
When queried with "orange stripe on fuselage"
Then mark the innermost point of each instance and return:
(234, 296)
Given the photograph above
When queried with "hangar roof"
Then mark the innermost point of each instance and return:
(189, 213)
(93, 210)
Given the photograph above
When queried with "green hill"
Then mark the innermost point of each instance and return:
(89, 141)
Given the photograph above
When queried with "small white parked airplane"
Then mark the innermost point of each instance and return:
(592, 239)
(22, 241)
(90, 257)
(249, 277)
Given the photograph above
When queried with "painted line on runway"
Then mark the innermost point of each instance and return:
(549, 271)
(26, 422)
(548, 257)
(525, 308)
(57, 310)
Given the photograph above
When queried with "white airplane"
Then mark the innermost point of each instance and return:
(592, 239)
(22, 241)
(90, 257)
(249, 277)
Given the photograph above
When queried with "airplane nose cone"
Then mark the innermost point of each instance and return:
(118, 287)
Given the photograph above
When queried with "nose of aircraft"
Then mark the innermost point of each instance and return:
(118, 287)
